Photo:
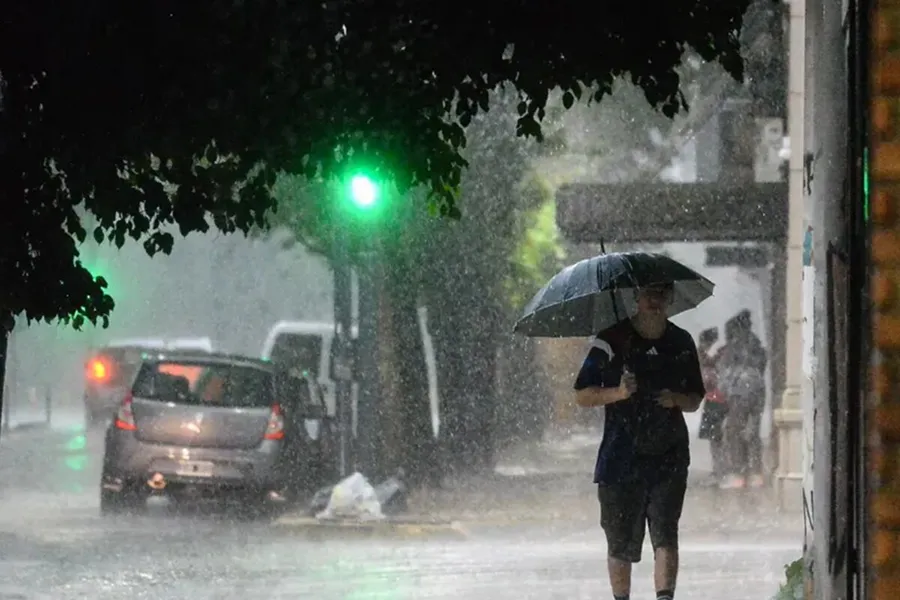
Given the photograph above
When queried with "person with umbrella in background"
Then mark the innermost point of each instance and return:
(645, 372)
(714, 408)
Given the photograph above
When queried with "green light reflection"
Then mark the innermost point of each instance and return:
(76, 462)
(365, 583)
(76, 443)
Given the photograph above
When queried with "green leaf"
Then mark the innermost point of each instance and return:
(793, 587)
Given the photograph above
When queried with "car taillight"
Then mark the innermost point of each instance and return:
(98, 369)
(125, 416)
(275, 427)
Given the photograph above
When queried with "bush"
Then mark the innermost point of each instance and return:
(792, 588)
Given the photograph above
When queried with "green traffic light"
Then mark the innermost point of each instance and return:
(363, 191)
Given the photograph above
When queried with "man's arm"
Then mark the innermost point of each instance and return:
(591, 397)
(595, 385)
(688, 402)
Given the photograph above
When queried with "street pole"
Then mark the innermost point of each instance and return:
(342, 373)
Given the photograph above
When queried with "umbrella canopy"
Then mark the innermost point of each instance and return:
(596, 293)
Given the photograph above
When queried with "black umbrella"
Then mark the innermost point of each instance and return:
(596, 293)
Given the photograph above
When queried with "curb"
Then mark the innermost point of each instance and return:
(403, 529)
(512, 521)
(36, 436)
(29, 433)
(32, 426)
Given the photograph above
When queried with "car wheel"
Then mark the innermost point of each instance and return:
(127, 500)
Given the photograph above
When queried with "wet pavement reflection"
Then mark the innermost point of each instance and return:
(54, 545)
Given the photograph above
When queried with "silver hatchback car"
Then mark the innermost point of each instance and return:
(213, 424)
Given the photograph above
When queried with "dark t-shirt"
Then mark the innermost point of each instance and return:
(639, 436)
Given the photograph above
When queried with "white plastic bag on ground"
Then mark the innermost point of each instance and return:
(353, 498)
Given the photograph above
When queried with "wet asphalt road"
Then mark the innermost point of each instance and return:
(53, 545)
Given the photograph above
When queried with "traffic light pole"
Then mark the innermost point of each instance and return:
(364, 194)
(341, 369)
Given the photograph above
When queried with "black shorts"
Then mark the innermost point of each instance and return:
(628, 509)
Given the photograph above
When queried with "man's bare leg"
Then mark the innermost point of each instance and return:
(665, 570)
(619, 577)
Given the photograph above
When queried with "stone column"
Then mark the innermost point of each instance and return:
(789, 417)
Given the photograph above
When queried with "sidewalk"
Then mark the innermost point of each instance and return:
(26, 436)
(546, 499)
(42, 459)
(548, 486)
(551, 482)
(61, 418)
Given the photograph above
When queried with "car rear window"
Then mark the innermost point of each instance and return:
(205, 384)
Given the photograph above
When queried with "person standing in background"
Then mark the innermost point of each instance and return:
(741, 370)
(714, 407)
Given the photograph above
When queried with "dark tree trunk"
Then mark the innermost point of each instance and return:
(480, 347)
(419, 443)
(387, 417)
(483, 394)
(406, 422)
(523, 409)
(466, 334)
(452, 388)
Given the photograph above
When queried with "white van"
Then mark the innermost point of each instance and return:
(306, 345)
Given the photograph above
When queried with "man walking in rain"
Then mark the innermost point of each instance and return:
(645, 372)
